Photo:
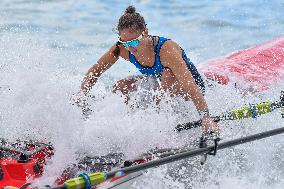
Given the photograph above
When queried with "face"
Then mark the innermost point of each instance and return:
(132, 37)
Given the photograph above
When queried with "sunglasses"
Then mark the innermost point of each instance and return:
(132, 43)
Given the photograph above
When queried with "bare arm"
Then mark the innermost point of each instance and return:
(104, 63)
(172, 58)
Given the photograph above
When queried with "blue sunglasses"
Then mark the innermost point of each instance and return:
(132, 43)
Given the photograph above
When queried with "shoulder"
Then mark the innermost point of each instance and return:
(170, 50)
(169, 45)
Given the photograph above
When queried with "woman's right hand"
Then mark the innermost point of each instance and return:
(88, 81)
(79, 99)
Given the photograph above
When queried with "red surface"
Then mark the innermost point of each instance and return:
(259, 67)
(17, 174)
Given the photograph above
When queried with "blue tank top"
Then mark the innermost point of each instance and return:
(157, 69)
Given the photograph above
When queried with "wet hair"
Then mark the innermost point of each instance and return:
(130, 19)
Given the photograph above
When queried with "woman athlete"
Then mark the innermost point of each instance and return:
(154, 56)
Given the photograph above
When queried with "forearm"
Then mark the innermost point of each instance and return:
(104, 63)
(189, 86)
(90, 78)
(196, 96)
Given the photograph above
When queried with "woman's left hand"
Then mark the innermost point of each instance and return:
(208, 125)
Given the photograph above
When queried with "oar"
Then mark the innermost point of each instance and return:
(99, 177)
(248, 111)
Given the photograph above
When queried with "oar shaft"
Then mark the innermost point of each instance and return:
(196, 152)
(250, 138)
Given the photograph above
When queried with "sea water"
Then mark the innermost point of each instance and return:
(47, 46)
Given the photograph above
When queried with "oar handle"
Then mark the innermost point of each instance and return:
(187, 126)
(194, 124)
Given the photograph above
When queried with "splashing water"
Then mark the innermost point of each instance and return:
(36, 97)
(37, 79)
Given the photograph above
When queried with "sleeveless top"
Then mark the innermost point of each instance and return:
(157, 69)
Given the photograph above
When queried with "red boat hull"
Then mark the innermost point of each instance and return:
(257, 68)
